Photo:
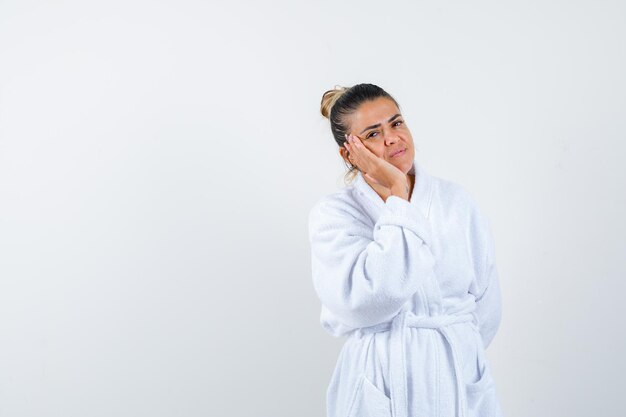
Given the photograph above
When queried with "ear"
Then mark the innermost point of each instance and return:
(343, 152)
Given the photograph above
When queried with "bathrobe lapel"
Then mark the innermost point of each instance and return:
(429, 294)
(420, 197)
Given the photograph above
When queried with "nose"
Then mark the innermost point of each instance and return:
(391, 138)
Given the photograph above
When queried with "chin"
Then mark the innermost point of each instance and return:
(408, 162)
(404, 166)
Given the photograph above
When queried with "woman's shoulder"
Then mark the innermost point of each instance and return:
(340, 205)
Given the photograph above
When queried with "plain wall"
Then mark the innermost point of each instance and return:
(158, 160)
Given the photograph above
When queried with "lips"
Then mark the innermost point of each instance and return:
(400, 152)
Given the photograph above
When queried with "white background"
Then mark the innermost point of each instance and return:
(158, 161)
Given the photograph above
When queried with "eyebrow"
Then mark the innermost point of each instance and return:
(378, 124)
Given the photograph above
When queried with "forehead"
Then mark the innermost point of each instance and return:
(375, 111)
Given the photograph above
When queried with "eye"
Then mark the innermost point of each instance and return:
(370, 135)
(399, 122)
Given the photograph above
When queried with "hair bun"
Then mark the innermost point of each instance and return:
(329, 98)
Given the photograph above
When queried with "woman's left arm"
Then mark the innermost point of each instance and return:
(487, 290)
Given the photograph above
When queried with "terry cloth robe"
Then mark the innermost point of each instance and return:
(414, 287)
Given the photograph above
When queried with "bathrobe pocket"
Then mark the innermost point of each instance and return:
(368, 400)
(480, 395)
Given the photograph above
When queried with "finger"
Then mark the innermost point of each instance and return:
(356, 144)
(357, 140)
(352, 148)
(360, 149)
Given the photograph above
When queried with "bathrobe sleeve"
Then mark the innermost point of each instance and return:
(363, 276)
(487, 291)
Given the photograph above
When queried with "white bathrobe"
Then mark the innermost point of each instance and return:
(414, 287)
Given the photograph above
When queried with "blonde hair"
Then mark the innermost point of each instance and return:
(329, 98)
(339, 103)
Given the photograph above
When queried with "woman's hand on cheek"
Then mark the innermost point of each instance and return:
(376, 169)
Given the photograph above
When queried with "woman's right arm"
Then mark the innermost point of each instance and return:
(365, 276)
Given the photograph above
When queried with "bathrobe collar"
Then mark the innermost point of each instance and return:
(420, 197)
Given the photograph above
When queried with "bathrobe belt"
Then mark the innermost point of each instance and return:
(397, 363)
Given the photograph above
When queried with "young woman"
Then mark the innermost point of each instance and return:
(403, 263)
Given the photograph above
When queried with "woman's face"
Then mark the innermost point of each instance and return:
(382, 129)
